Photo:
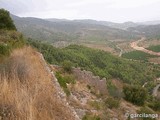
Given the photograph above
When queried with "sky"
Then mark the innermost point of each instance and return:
(105, 10)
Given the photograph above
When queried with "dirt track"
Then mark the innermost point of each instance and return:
(155, 90)
(135, 46)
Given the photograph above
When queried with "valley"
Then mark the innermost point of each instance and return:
(58, 69)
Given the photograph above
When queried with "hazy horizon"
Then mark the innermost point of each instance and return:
(101, 10)
(158, 20)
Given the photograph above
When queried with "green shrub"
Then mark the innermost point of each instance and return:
(6, 21)
(112, 103)
(15, 39)
(154, 48)
(91, 117)
(4, 50)
(96, 104)
(155, 105)
(67, 66)
(69, 79)
(63, 80)
(135, 94)
(113, 90)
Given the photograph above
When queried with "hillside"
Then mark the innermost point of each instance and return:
(99, 62)
(150, 31)
(98, 81)
(122, 26)
(76, 83)
(25, 78)
(24, 84)
(68, 31)
(24, 81)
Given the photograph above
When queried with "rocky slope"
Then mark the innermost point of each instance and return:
(29, 90)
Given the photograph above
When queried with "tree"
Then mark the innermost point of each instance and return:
(5, 20)
(135, 94)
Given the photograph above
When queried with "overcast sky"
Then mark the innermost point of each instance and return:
(108, 10)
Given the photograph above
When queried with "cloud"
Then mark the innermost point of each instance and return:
(132, 3)
(88, 2)
(109, 10)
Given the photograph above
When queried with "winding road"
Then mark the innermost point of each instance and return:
(121, 51)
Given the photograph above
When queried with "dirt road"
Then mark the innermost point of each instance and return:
(135, 46)
(155, 90)
(121, 51)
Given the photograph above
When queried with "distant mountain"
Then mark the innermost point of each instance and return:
(54, 30)
(123, 26)
(150, 22)
(150, 31)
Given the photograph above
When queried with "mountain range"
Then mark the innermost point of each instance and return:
(79, 31)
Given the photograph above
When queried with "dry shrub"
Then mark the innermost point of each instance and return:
(27, 91)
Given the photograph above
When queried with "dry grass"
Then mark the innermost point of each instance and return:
(27, 91)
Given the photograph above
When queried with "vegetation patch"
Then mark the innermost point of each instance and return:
(113, 90)
(138, 55)
(4, 50)
(154, 48)
(5, 20)
(96, 104)
(9, 37)
(112, 103)
(91, 117)
(135, 94)
(146, 110)
(64, 80)
(100, 63)
(155, 105)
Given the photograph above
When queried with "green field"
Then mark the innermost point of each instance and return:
(137, 55)
(154, 48)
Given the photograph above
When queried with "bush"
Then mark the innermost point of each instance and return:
(113, 90)
(69, 79)
(96, 104)
(155, 105)
(6, 21)
(112, 103)
(135, 94)
(91, 117)
(63, 80)
(67, 66)
(4, 50)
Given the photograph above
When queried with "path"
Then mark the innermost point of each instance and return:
(121, 51)
(155, 90)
